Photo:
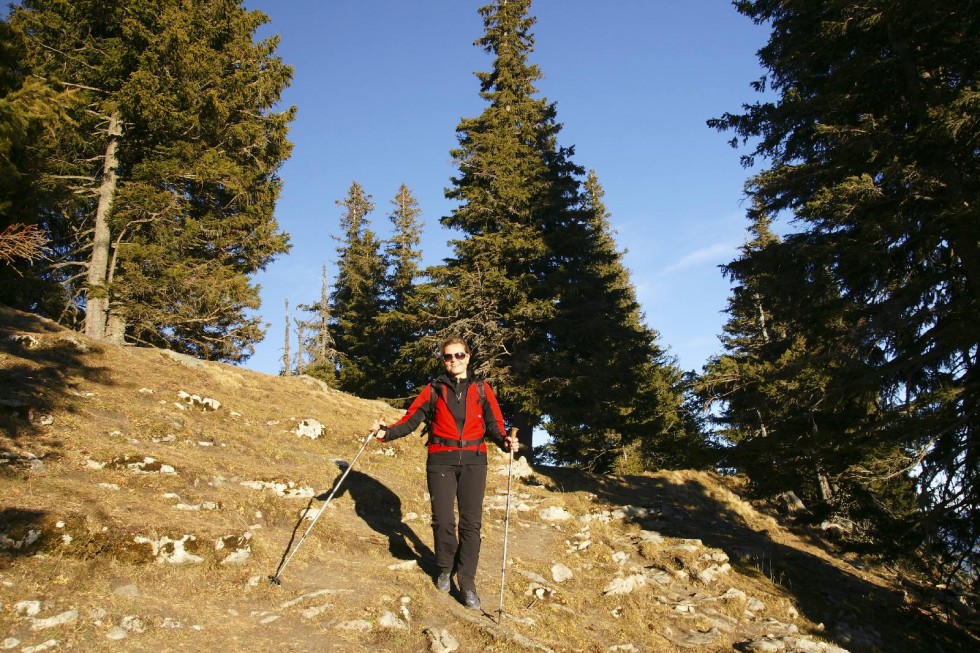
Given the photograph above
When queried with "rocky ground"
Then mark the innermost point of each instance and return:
(148, 498)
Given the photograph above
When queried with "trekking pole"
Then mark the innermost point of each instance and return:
(503, 566)
(274, 579)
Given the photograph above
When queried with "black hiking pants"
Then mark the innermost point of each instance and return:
(462, 481)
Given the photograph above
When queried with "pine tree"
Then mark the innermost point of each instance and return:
(871, 149)
(319, 347)
(788, 389)
(29, 108)
(357, 301)
(523, 278)
(160, 195)
(403, 323)
(619, 402)
(515, 188)
(732, 384)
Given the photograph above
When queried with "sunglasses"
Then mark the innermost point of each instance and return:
(460, 355)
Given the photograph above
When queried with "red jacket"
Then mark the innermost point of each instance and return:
(482, 419)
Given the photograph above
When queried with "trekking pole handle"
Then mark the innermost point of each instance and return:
(512, 434)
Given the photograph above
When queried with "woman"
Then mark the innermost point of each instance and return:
(461, 414)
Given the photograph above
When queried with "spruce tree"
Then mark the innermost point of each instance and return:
(357, 300)
(515, 187)
(618, 405)
(789, 393)
(537, 264)
(29, 109)
(160, 193)
(403, 324)
(870, 149)
(318, 347)
(537, 269)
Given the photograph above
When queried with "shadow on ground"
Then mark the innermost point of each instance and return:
(381, 509)
(834, 596)
(41, 367)
(19, 532)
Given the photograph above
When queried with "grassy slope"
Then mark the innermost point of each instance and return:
(76, 415)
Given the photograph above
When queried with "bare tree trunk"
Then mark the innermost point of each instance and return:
(97, 292)
(762, 317)
(286, 363)
(324, 356)
(115, 328)
(300, 367)
(826, 492)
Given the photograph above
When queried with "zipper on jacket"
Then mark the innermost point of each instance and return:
(462, 428)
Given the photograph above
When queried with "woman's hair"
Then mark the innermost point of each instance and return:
(454, 341)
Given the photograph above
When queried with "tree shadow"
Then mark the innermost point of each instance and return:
(20, 532)
(41, 366)
(381, 509)
(824, 592)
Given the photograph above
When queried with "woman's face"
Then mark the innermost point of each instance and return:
(455, 359)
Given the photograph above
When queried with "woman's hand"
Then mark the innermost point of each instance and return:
(379, 430)
(511, 443)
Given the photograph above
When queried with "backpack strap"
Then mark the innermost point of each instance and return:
(435, 391)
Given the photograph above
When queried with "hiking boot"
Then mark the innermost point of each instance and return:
(442, 582)
(471, 600)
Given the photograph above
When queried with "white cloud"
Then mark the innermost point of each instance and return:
(716, 253)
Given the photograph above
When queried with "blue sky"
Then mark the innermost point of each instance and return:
(380, 86)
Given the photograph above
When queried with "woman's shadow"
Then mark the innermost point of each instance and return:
(381, 509)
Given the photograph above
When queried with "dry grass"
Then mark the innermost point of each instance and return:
(75, 415)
